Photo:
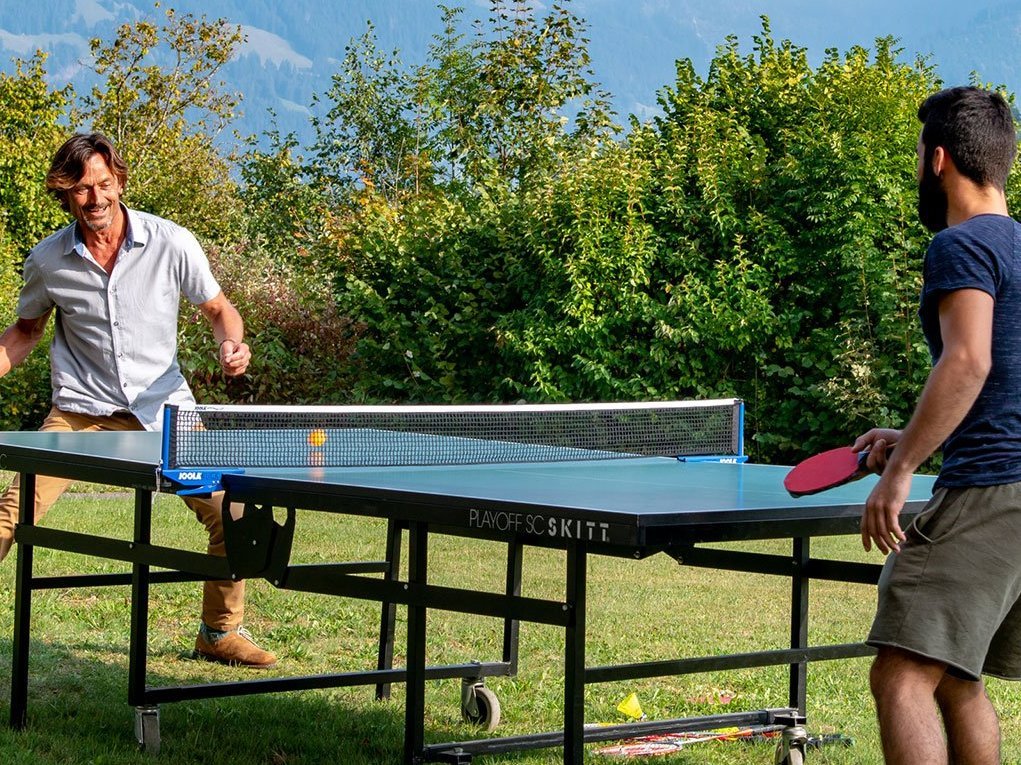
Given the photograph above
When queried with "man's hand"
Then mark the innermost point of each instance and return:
(880, 523)
(234, 354)
(877, 442)
(234, 357)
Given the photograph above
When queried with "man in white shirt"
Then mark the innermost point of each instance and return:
(113, 280)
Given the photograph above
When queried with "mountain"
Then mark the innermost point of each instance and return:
(294, 47)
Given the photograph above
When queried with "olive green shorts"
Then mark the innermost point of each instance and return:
(952, 592)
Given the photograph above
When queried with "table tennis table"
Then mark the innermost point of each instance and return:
(633, 507)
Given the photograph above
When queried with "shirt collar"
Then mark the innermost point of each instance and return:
(134, 235)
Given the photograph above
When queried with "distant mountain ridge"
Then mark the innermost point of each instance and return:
(293, 48)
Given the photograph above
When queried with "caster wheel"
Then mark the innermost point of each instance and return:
(481, 707)
(795, 757)
(147, 730)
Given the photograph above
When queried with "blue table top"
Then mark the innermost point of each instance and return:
(647, 491)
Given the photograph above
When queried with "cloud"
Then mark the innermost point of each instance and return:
(646, 112)
(90, 13)
(26, 45)
(292, 106)
(271, 48)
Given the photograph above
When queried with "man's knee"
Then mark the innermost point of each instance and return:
(896, 671)
(207, 511)
(954, 691)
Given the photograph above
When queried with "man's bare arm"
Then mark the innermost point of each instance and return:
(966, 322)
(18, 340)
(229, 331)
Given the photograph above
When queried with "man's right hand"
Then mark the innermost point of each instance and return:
(880, 523)
(878, 442)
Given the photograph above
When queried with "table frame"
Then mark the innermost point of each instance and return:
(266, 547)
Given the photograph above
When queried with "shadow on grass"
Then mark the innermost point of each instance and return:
(78, 713)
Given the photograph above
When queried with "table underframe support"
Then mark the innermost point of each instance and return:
(419, 597)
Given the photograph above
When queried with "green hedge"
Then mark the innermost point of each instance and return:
(758, 239)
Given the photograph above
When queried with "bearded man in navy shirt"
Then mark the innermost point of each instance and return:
(949, 609)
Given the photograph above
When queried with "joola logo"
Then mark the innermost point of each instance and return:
(189, 476)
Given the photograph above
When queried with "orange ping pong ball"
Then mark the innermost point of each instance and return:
(317, 438)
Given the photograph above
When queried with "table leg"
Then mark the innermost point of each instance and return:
(22, 609)
(388, 617)
(139, 641)
(511, 627)
(414, 709)
(574, 657)
(798, 690)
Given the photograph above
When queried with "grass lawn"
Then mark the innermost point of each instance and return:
(642, 610)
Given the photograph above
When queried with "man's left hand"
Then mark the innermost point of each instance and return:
(234, 357)
(880, 523)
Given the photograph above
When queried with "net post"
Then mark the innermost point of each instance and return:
(739, 428)
(168, 459)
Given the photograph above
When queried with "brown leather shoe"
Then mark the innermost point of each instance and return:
(236, 648)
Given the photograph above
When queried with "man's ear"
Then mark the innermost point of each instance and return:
(940, 158)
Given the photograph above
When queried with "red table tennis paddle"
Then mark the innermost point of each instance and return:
(826, 470)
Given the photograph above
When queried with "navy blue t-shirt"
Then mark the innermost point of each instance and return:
(982, 253)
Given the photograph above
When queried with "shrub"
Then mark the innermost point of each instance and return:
(301, 346)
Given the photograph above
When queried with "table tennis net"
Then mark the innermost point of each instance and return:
(257, 436)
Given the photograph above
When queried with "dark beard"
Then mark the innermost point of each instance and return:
(932, 201)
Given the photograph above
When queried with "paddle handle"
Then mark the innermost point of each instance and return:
(863, 459)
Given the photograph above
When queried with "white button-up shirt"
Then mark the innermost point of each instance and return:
(115, 344)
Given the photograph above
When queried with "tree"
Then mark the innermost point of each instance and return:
(503, 100)
(371, 135)
(161, 104)
(30, 116)
(31, 113)
(485, 109)
(423, 171)
(758, 239)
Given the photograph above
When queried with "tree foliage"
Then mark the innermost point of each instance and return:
(425, 170)
(161, 103)
(30, 125)
(485, 109)
(757, 239)
(785, 202)
(30, 114)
